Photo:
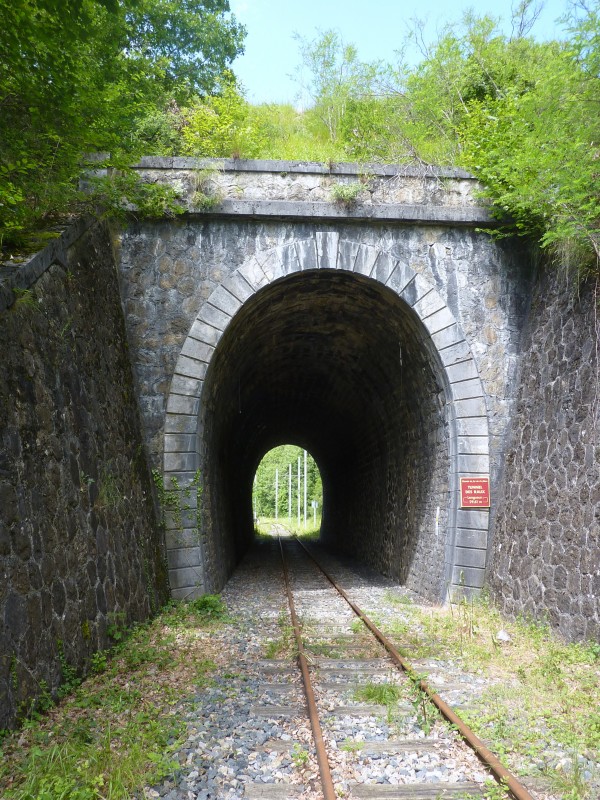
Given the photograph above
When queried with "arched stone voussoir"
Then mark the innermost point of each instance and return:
(417, 288)
(327, 249)
(271, 264)
(383, 268)
(365, 260)
(347, 252)
(204, 332)
(438, 321)
(238, 286)
(462, 370)
(429, 304)
(181, 443)
(473, 445)
(399, 279)
(188, 367)
(225, 301)
(214, 316)
(181, 423)
(253, 273)
(306, 253)
(466, 388)
(289, 259)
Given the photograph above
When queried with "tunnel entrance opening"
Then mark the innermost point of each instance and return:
(342, 366)
(287, 492)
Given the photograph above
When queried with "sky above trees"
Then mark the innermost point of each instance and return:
(377, 29)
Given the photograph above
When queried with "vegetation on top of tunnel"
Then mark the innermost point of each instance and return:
(100, 75)
(273, 469)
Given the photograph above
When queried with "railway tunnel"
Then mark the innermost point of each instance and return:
(341, 365)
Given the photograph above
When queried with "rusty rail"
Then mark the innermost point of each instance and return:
(324, 769)
(491, 761)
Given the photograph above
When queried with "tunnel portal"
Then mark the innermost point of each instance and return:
(336, 363)
(343, 349)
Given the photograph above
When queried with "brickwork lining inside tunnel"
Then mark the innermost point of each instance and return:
(201, 557)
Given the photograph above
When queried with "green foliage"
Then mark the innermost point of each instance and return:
(68, 673)
(122, 191)
(384, 694)
(96, 75)
(116, 732)
(284, 643)
(543, 693)
(300, 756)
(207, 193)
(117, 627)
(24, 300)
(152, 77)
(99, 662)
(221, 126)
(350, 746)
(86, 630)
(521, 115)
(208, 607)
(346, 193)
(331, 76)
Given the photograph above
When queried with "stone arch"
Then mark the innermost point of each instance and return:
(468, 437)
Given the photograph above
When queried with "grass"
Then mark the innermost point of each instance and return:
(543, 694)
(268, 524)
(284, 644)
(383, 694)
(116, 732)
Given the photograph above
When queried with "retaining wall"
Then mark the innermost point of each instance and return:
(545, 560)
(79, 541)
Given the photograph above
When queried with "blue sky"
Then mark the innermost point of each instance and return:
(376, 27)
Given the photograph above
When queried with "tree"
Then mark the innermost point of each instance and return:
(221, 126)
(331, 75)
(81, 76)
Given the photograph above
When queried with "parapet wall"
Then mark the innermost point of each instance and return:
(299, 189)
(79, 543)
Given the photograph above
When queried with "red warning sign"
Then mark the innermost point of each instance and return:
(474, 492)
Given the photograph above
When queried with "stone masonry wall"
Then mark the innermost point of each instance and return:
(79, 544)
(546, 551)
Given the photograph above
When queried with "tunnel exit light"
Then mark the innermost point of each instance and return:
(475, 492)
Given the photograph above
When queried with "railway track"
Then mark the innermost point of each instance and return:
(380, 732)
(373, 734)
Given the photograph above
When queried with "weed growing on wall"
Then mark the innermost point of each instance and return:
(346, 194)
(206, 191)
(24, 300)
(176, 500)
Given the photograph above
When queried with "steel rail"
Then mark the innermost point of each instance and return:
(323, 761)
(491, 761)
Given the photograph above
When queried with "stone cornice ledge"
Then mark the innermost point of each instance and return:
(301, 167)
(290, 209)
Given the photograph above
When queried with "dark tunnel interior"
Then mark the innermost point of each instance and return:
(336, 363)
